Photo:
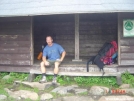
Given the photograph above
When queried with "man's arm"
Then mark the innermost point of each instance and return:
(62, 55)
(44, 59)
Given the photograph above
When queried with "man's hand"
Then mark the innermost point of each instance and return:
(47, 63)
(62, 56)
(59, 60)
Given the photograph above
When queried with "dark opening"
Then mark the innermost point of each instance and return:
(94, 30)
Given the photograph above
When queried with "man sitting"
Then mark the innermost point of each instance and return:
(55, 54)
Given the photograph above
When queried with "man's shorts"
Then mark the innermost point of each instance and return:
(51, 62)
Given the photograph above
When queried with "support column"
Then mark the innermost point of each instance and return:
(31, 39)
(77, 38)
(119, 36)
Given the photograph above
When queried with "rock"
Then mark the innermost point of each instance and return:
(22, 94)
(118, 78)
(98, 90)
(7, 90)
(40, 86)
(6, 77)
(58, 99)
(63, 90)
(77, 98)
(127, 90)
(116, 98)
(131, 92)
(124, 86)
(57, 89)
(3, 97)
(68, 88)
(46, 96)
(78, 91)
(30, 77)
(75, 86)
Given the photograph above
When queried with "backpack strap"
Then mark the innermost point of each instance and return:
(90, 61)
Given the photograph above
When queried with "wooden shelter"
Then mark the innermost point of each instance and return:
(81, 27)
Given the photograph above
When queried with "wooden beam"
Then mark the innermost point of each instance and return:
(31, 40)
(32, 71)
(119, 36)
(76, 38)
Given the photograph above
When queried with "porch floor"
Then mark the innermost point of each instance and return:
(69, 67)
(67, 61)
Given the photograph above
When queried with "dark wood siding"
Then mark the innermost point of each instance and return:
(15, 41)
(95, 30)
(126, 43)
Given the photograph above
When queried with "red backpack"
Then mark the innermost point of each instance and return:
(107, 58)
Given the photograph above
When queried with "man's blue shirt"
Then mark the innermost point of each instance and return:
(53, 52)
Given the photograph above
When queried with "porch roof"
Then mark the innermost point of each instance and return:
(47, 7)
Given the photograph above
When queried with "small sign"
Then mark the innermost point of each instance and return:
(128, 28)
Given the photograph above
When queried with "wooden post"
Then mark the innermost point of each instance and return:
(119, 36)
(76, 38)
(31, 40)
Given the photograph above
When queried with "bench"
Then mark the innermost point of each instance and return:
(79, 70)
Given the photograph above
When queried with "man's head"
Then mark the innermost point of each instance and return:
(49, 40)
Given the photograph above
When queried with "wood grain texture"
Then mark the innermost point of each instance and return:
(15, 41)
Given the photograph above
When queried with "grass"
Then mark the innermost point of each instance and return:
(83, 82)
(83, 94)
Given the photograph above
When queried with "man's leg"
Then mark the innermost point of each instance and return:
(43, 70)
(56, 70)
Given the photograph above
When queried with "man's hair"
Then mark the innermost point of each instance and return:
(49, 36)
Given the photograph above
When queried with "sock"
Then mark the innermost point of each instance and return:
(43, 74)
(55, 75)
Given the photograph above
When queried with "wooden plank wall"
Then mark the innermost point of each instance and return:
(60, 27)
(15, 41)
(95, 30)
(126, 43)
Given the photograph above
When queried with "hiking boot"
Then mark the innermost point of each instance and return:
(54, 80)
(43, 80)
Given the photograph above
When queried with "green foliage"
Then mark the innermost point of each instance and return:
(2, 91)
(9, 81)
(49, 78)
(13, 76)
(37, 78)
(128, 78)
(20, 76)
(2, 74)
(65, 80)
(83, 94)
(36, 90)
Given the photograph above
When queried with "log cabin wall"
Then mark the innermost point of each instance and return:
(126, 49)
(60, 27)
(95, 30)
(15, 41)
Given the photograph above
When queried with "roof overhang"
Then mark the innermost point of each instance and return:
(9, 8)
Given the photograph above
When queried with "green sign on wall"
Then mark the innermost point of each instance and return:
(128, 28)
